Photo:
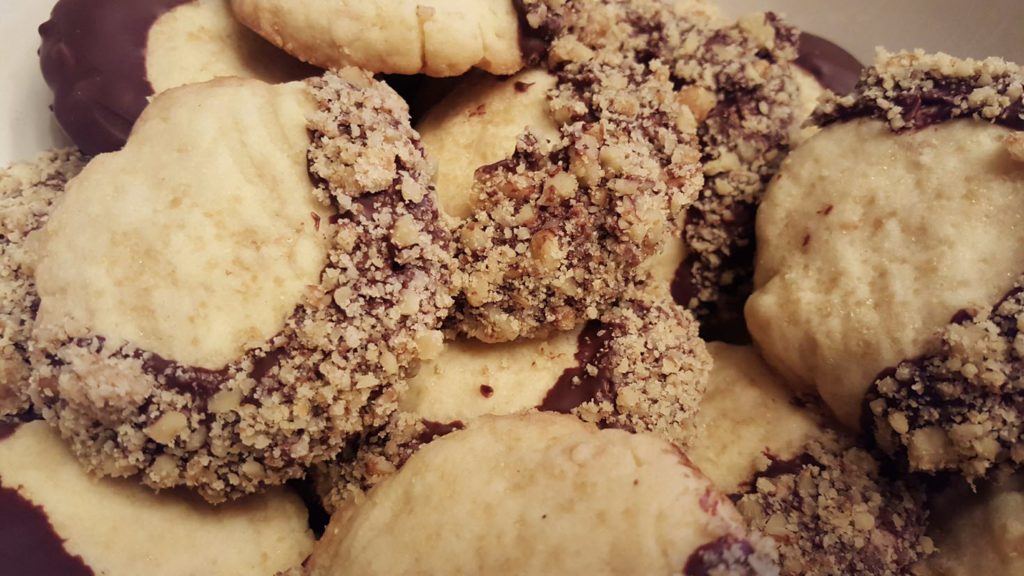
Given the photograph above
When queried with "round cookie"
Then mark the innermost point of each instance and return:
(59, 520)
(542, 494)
(103, 59)
(773, 453)
(978, 530)
(640, 368)
(28, 191)
(433, 37)
(561, 229)
(265, 267)
(863, 259)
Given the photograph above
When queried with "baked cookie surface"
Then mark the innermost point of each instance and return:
(578, 499)
(232, 321)
(72, 524)
(858, 269)
(433, 37)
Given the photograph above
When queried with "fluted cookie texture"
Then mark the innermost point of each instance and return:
(231, 321)
(28, 192)
(863, 258)
(542, 494)
(72, 524)
(104, 59)
(826, 501)
(434, 37)
(560, 229)
(641, 367)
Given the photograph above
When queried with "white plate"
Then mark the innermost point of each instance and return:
(981, 28)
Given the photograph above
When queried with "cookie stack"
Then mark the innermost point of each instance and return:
(425, 287)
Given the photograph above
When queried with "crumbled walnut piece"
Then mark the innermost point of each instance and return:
(961, 407)
(832, 511)
(28, 192)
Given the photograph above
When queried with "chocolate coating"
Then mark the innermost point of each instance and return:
(28, 542)
(576, 386)
(832, 66)
(93, 57)
(727, 555)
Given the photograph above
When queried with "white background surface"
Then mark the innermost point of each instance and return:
(976, 28)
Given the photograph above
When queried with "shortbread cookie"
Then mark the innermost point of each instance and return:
(978, 530)
(105, 58)
(230, 321)
(28, 192)
(433, 37)
(559, 231)
(72, 524)
(775, 455)
(640, 368)
(863, 258)
(478, 124)
(542, 494)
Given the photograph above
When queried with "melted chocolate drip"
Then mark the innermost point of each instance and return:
(28, 542)
(577, 386)
(7, 429)
(727, 555)
(833, 67)
(435, 430)
(93, 56)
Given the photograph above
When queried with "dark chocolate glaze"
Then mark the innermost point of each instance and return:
(93, 56)
(534, 42)
(727, 555)
(576, 386)
(723, 321)
(833, 67)
(28, 542)
(7, 429)
(435, 430)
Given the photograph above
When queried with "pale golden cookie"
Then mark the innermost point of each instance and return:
(105, 58)
(863, 258)
(231, 322)
(69, 519)
(774, 453)
(541, 494)
(432, 37)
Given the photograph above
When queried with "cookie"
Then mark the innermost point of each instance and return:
(265, 267)
(104, 60)
(775, 454)
(739, 80)
(434, 37)
(542, 494)
(478, 124)
(640, 368)
(559, 230)
(59, 520)
(978, 530)
(863, 259)
(28, 192)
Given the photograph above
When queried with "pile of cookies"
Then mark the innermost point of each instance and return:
(531, 286)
